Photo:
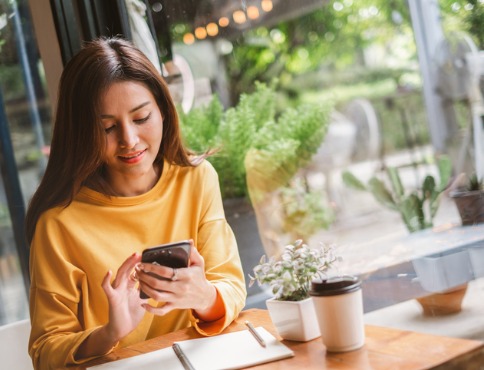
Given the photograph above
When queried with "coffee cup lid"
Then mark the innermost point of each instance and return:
(335, 286)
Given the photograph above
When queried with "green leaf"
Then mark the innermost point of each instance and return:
(381, 193)
(444, 165)
(429, 188)
(412, 213)
(396, 182)
(352, 181)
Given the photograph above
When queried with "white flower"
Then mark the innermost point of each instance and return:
(289, 278)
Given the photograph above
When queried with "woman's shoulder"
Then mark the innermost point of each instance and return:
(53, 216)
(202, 175)
(201, 168)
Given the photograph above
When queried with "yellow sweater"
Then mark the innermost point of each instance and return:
(74, 247)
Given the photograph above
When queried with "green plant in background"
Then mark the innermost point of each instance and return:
(253, 129)
(417, 207)
(305, 210)
(474, 183)
(290, 276)
(4, 215)
(201, 125)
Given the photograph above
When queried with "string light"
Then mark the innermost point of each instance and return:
(266, 5)
(239, 16)
(188, 38)
(253, 12)
(212, 29)
(223, 22)
(200, 33)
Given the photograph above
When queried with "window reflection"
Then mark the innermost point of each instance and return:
(363, 56)
(28, 118)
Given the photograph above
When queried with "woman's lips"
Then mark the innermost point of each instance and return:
(134, 157)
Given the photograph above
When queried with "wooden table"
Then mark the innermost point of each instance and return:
(384, 349)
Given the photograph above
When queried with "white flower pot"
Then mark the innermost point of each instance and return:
(294, 320)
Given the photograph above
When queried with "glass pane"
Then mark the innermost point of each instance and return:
(28, 116)
(362, 56)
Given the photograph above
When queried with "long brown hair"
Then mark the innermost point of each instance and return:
(78, 139)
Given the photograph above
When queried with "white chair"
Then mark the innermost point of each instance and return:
(14, 339)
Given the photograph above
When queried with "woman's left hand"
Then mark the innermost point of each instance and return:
(185, 288)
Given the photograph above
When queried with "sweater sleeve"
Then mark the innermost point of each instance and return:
(55, 293)
(217, 244)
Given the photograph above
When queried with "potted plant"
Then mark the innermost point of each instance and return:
(469, 199)
(305, 210)
(254, 124)
(289, 278)
(259, 149)
(468, 196)
(417, 209)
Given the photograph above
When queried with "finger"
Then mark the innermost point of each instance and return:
(106, 284)
(159, 311)
(159, 295)
(149, 283)
(126, 268)
(160, 271)
(196, 258)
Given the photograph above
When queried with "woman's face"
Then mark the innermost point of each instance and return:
(134, 129)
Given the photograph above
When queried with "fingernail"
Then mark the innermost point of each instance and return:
(140, 267)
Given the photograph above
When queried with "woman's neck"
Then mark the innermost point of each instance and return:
(100, 183)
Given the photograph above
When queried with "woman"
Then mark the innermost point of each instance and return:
(118, 181)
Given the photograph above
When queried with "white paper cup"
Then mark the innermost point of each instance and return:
(339, 308)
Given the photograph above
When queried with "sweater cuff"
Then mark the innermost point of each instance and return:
(72, 353)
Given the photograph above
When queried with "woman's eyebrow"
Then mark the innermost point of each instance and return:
(131, 111)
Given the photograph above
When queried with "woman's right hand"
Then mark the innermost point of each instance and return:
(125, 310)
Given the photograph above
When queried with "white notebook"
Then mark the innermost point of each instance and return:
(235, 350)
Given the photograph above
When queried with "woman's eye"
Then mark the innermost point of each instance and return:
(143, 120)
(109, 129)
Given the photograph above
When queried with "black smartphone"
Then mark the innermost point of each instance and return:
(173, 255)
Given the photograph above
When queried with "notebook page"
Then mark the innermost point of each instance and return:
(233, 350)
(161, 359)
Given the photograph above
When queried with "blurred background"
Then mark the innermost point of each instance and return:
(400, 83)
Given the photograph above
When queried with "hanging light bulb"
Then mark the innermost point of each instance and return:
(266, 5)
(212, 29)
(253, 12)
(239, 16)
(200, 33)
(223, 22)
(188, 38)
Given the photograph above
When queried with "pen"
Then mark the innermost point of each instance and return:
(182, 357)
(255, 334)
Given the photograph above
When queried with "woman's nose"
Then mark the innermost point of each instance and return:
(128, 137)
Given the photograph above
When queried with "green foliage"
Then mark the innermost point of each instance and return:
(238, 130)
(291, 276)
(474, 183)
(287, 141)
(4, 215)
(305, 210)
(467, 15)
(284, 146)
(329, 39)
(200, 126)
(474, 22)
(418, 207)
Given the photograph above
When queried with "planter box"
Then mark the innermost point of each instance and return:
(442, 271)
(476, 255)
(294, 320)
(470, 205)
